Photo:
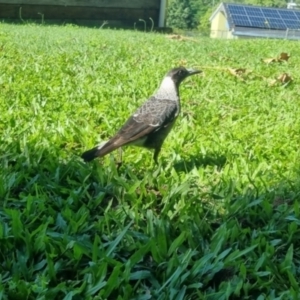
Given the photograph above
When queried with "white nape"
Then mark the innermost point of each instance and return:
(167, 90)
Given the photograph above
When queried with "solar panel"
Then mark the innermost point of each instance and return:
(262, 17)
(241, 20)
(259, 22)
(270, 13)
(254, 11)
(297, 13)
(284, 14)
(292, 24)
(276, 23)
(237, 9)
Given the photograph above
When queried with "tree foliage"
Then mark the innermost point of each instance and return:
(183, 14)
(190, 14)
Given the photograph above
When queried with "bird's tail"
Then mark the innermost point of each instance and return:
(92, 153)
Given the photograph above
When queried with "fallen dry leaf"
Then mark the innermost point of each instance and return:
(284, 78)
(174, 36)
(281, 79)
(269, 60)
(180, 37)
(237, 72)
(273, 82)
(240, 72)
(282, 57)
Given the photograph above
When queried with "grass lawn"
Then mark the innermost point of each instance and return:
(219, 218)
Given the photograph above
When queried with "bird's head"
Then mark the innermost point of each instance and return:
(180, 73)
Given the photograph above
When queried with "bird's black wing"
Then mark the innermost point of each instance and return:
(151, 116)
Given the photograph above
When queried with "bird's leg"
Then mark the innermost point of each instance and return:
(119, 162)
(156, 167)
(155, 156)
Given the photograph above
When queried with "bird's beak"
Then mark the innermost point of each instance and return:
(193, 71)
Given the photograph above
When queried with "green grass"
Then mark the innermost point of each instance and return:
(217, 219)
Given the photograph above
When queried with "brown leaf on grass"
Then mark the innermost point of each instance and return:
(237, 72)
(219, 57)
(282, 57)
(180, 37)
(281, 79)
(273, 82)
(240, 72)
(174, 36)
(284, 78)
(269, 60)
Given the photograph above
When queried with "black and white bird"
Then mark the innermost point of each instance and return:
(151, 123)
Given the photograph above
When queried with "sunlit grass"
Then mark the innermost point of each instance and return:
(217, 219)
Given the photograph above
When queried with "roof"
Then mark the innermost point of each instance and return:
(250, 16)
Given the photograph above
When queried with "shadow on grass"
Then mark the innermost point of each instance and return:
(72, 197)
(41, 171)
(197, 161)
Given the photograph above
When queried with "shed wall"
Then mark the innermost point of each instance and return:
(219, 26)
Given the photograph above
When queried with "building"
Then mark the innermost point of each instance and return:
(124, 12)
(247, 21)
